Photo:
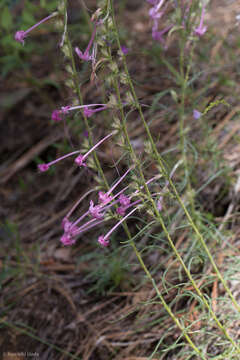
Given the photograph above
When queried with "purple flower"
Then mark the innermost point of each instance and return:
(196, 114)
(65, 109)
(124, 49)
(83, 56)
(154, 13)
(80, 160)
(124, 200)
(89, 112)
(158, 35)
(201, 29)
(56, 115)
(121, 210)
(68, 225)
(103, 240)
(67, 239)
(43, 167)
(95, 211)
(70, 231)
(104, 198)
(21, 34)
(86, 56)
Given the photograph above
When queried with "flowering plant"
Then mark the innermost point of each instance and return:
(151, 199)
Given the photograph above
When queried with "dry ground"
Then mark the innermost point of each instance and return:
(45, 295)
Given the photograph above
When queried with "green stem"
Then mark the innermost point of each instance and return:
(159, 217)
(136, 161)
(138, 255)
(183, 142)
(80, 99)
(160, 162)
(166, 307)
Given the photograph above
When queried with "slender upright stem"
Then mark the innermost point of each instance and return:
(158, 215)
(78, 91)
(165, 173)
(183, 140)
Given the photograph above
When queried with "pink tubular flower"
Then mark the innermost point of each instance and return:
(43, 167)
(21, 34)
(95, 211)
(158, 4)
(154, 13)
(98, 211)
(81, 158)
(124, 200)
(74, 208)
(56, 114)
(89, 112)
(67, 239)
(200, 30)
(72, 229)
(121, 210)
(65, 109)
(124, 49)
(70, 232)
(103, 241)
(104, 198)
(118, 182)
(86, 56)
(68, 225)
(158, 35)
(83, 56)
